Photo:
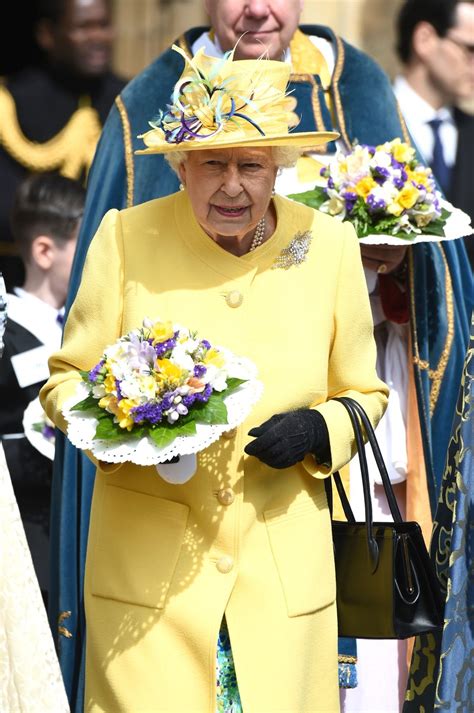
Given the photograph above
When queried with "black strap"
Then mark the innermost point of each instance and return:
(360, 419)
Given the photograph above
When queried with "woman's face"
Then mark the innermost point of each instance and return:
(229, 189)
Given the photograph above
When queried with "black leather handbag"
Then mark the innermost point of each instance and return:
(386, 584)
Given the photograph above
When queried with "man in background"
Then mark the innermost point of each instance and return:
(52, 114)
(336, 87)
(435, 42)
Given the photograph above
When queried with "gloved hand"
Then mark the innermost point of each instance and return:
(286, 438)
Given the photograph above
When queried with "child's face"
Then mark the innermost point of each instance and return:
(61, 268)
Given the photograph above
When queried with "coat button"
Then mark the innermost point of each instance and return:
(230, 434)
(226, 496)
(234, 298)
(225, 564)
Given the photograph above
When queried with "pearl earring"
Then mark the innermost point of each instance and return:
(181, 187)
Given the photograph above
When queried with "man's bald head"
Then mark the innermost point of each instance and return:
(258, 25)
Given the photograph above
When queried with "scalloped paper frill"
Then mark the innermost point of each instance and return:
(458, 225)
(143, 451)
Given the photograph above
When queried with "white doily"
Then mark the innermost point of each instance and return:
(143, 451)
(458, 225)
(34, 414)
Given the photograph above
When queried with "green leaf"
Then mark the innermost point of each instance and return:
(162, 436)
(84, 375)
(108, 430)
(313, 199)
(86, 404)
(232, 385)
(213, 412)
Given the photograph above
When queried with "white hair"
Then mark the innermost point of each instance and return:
(283, 156)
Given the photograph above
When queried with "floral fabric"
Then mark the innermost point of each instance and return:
(228, 697)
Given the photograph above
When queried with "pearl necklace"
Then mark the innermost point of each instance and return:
(258, 235)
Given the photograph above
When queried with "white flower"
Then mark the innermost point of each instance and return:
(98, 391)
(182, 358)
(381, 158)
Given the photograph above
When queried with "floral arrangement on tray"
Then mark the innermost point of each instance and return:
(39, 429)
(159, 392)
(384, 191)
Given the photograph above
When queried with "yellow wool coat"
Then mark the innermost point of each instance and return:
(165, 562)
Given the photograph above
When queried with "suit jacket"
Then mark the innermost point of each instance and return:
(461, 192)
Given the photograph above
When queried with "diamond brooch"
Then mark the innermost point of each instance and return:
(295, 252)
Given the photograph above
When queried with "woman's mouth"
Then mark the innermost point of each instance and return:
(228, 212)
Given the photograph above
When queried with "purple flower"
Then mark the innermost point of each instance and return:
(151, 412)
(167, 401)
(163, 347)
(205, 344)
(199, 370)
(375, 205)
(331, 183)
(119, 391)
(189, 400)
(350, 199)
(381, 174)
(94, 373)
(48, 432)
(205, 395)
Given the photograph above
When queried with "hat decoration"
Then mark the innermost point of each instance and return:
(222, 102)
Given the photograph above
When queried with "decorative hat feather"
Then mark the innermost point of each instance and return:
(219, 102)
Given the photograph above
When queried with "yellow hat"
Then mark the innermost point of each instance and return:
(220, 103)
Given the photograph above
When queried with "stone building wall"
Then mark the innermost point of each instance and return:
(146, 27)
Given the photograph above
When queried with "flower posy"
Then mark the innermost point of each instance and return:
(380, 189)
(160, 381)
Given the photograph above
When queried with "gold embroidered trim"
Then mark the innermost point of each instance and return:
(62, 629)
(70, 152)
(406, 135)
(436, 375)
(346, 659)
(127, 144)
(341, 122)
(183, 43)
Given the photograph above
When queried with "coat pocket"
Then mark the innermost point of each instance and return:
(301, 542)
(137, 546)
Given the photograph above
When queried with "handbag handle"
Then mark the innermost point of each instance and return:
(356, 412)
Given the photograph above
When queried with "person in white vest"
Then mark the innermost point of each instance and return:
(45, 221)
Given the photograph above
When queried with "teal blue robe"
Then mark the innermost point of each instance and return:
(366, 111)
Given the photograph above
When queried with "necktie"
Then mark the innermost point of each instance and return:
(440, 168)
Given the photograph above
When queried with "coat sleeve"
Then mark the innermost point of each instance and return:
(352, 360)
(94, 321)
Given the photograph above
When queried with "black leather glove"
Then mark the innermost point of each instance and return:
(286, 438)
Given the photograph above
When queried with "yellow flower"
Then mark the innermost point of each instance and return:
(364, 186)
(215, 358)
(419, 176)
(335, 206)
(169, 372)
(121, 411)
(109, 384)
(408, 196)
(395, 208)
(106, 402)
(402, 152)
(161, 331)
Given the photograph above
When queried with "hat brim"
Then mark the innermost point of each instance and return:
(297, 140)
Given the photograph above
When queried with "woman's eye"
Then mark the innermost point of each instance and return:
(252, 166)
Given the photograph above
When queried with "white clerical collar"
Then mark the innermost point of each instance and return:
(213, 49)
(412, 104)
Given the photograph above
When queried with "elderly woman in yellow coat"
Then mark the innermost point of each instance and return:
(247, 540)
